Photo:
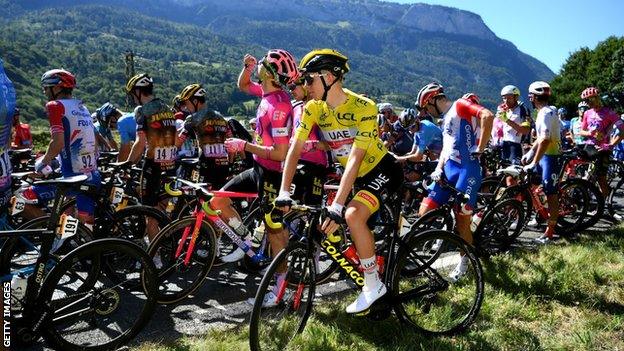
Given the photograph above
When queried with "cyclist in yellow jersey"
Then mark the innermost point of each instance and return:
(348, 123)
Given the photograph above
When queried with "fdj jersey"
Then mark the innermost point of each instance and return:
(210, 129)
(7, 108)
(460, 130)
(352, 123)
(156, 120)
(71, 117)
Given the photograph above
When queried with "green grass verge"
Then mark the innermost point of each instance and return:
(568, 296)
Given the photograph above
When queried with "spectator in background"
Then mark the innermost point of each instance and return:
(575, 124)
(387, 111)
(106, 119)
(22, 138)
(252, 127)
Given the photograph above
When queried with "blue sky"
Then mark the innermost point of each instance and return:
(548, 30)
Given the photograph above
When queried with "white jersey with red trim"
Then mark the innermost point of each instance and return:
(460, 129)
(72, 118)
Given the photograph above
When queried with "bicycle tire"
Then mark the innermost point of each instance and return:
(138, 303)
(433, 307)
(175, 280)
(497, 231)
(266, 328)
(573, 205)
(130, 223)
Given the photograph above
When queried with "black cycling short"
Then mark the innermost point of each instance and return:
(602, 160)
(308, 182)
(213, 172)
(152, 181)
(386, 177)
(256, 180)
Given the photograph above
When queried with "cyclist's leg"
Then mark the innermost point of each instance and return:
(550, 173)
(41, 194)
(86, 204)
(151, 178)
(601, 170)
(248, 182)
(468, 181)
(386, 176)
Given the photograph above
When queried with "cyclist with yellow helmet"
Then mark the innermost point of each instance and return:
(348, 123)
(156, 135)
(210, 130)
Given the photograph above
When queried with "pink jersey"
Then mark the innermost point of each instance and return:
(274, 122)
(318, 157)
(602, 122)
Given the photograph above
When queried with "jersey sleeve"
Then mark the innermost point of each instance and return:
(186, 130)
(281, 123)
(545, 120)
(467, 109)
(55, 111)
(255, 89)
(307, 121)
(139, 117)
(366, 127)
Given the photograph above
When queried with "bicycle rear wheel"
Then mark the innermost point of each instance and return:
(500, 226)
(176, 279)
(102, 315)
(425, 296)
(273, 328)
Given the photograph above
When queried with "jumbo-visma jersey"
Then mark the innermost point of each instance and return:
(352, 123)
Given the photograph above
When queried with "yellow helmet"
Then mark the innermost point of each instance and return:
(324, 59)
(192, 90)
(140, 80)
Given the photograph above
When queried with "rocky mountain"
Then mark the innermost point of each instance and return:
(393, 48)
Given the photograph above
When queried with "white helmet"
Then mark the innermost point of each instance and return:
(510, 89)
(384, 106)
(539, 88)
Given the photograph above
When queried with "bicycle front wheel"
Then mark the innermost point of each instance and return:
(102, 314)
(283, 302)
(428, 293)
(177, 277)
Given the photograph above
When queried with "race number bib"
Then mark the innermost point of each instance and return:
(195, 176)
(85, 162)
(165, 153)
(17, 205)
(116, 195)
(214, 150)
(68, 226)
(343, 151)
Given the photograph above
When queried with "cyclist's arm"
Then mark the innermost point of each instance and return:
(540, 148)
(523, 128)
(290, 165)
(57, 142)
(486, 118)
(138, 147)
(244, 78)
(276, 152)
(113, 143)
(124, 151)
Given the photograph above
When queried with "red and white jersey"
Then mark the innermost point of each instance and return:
(460, 130)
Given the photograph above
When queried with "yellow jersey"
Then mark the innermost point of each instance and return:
(354, 123)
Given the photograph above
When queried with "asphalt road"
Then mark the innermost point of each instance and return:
(221, 301)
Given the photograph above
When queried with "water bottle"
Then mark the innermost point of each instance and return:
(18, 290)
(476, 219)
(351, 254)
(258, 235)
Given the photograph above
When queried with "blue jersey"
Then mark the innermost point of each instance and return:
(7, 108)
(428, 137)
(126, 126)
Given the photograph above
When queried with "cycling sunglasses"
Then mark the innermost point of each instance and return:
(309, 78)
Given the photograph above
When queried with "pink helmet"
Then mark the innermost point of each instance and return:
(282, 65)
(589, 92)
(472, 97)
(58, 78)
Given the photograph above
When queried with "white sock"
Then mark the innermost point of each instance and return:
(371, 275)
